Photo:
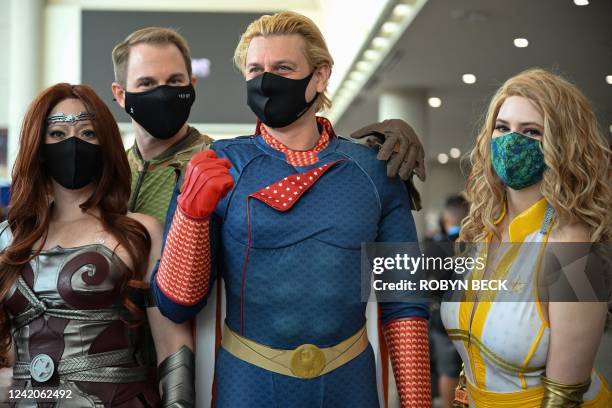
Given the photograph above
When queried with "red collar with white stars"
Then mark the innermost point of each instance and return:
(283, 194)
(300, 157)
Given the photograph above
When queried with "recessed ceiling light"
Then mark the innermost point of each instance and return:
(455, 153)
(469, 78)
(581, 2)
(363, 65)
(434, 102)
(371, 55)
(521, 42)
(357, 76)
(390, 28)
(609, 79)
(402, 10)
(340, 92)
(381, 42)
(443, 158)
(351, 85)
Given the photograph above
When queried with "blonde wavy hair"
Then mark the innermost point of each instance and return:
(576, 182)
(287, 23)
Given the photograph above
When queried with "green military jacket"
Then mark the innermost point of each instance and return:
(153, 181)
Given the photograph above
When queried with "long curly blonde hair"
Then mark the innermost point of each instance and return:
(576, 182)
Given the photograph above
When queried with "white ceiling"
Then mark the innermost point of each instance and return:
(449, 38)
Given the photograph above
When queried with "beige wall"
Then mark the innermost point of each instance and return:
(4, 67)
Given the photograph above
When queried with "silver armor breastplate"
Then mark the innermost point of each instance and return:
(65, 311)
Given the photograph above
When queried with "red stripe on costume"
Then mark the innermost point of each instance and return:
(246, 263)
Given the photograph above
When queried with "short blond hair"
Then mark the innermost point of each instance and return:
(149, 35)
(287, 23)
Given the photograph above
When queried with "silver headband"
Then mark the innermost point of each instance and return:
(70, 119)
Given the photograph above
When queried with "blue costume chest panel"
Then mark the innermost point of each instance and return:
(302, 280)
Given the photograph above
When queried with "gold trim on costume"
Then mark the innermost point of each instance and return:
(529, 398)
(462, 335)
(305, 361)
(558, 395)
(527, 222)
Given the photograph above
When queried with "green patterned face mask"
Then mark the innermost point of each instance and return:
(517, 160)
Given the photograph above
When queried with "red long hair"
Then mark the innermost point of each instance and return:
(29, 210)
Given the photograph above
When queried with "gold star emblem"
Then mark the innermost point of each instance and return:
(517, 286)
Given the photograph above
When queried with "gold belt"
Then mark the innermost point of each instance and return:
(529, 398)
(305, 361)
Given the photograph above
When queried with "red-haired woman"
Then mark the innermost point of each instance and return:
(73, 263)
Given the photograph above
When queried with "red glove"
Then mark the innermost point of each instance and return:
(207, 180)
(408, 344)
(184, 270)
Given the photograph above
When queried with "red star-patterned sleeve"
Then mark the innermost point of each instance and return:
(183, 276)
(184, 269)
(408, 344)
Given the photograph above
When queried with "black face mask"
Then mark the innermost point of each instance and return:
(162, 111)
(73, 163)
(278, 101)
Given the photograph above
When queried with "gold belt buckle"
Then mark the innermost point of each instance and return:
(307, 361)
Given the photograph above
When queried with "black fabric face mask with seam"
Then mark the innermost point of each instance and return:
(278, 101)
(162, 111)
(73, 163)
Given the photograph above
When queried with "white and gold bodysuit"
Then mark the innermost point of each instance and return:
(504, 345)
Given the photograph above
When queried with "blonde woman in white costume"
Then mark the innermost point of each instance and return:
(540, 174)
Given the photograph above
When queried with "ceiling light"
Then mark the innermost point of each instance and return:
(469, 78)
(521, 42)
(200, 67)
(363, 65)
(357, 76)
(434, 102)
(389, 28)
(380, 42)
(455, 153)
(401, 10)
(581, 2)
(340, 99)
(351, 85)
(609, 79)
(371, 55)
(340, 92)
(443, 158)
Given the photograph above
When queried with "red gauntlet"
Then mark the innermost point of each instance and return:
(408, 344)
(184, 270)
(207, 180)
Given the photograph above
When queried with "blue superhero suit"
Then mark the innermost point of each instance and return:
(293, 277)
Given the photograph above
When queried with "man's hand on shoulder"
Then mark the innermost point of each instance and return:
(399, 145)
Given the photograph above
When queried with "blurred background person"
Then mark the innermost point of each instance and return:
(445, 362)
